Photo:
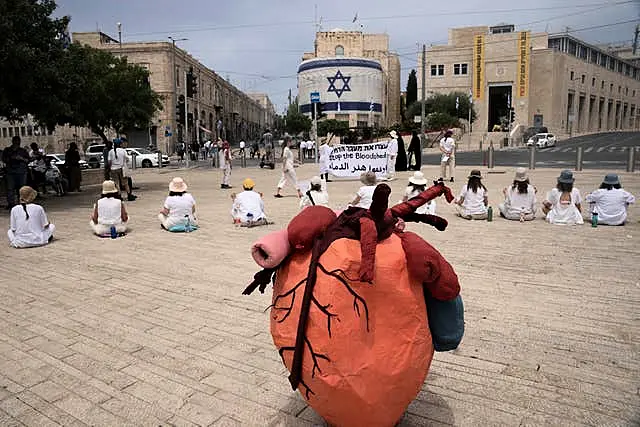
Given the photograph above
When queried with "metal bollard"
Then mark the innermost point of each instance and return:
(532, 157)
(133, 161)
(490, 153)
(579, 159)
(159, 159)
(631, 160)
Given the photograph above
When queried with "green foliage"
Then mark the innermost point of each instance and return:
(445, 106)
(442, 121)
(333, 126)
(412, 88)
(296, 122)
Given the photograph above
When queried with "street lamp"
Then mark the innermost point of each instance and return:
(120, 36)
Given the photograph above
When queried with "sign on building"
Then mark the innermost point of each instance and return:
(478, 66)
(524, 40)
(353, 160)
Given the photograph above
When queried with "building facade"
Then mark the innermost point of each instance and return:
(269, 108)
(520, 79)
(358, 78)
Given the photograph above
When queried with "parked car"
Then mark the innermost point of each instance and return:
(146, 158)
(533, 130)
(58, 160)
(93, 156)
(542, 140)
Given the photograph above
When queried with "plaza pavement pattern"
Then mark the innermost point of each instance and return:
(152, 330)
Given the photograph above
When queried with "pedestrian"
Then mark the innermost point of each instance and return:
(16, 160)
(72, 164)
(392, 153)
(109, 216)
(563, 204)
(180, 150)
(401, 159)
(225, 164)
(105, 158)
(610, 201)
(473, 199)
(519, 199)
(288, 171)
(248, 206)
(29, 224)
(418, 184)
(448, 150)
(316, 195)
(38, 168)
(242, 145)
(179, 210)
(364, 196)
(323, 160)
(117, 162)
(127, 174)
(415, 152)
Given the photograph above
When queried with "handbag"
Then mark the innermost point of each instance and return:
(446, 322)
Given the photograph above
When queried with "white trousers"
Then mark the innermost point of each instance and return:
(16, 241)
(391, 166)
(102, 229)
(288, 176)
(226, 174)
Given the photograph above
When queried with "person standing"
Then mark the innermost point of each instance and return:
(392, 153)
(401, 159)
(242, 145)
(105, 158)
(323, 160)
(225, 165)
(448, 150)
(415, 152)
(29, 224)
(16, 160)
(288, 171)
(117, 162)
(72, 164)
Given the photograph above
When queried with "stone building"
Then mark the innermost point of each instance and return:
(269, 108)
(556, 81)
(374, 95)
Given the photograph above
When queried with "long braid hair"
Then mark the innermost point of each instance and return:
(24, 206)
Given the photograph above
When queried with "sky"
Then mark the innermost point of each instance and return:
(258, 44)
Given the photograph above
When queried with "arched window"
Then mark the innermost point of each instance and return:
(339, 50)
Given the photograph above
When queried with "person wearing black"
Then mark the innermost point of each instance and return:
(401, 159)
(16, 160)
(108, 146)
(72, 164)
(415, 152)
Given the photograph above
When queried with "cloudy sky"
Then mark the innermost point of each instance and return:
(258, 44)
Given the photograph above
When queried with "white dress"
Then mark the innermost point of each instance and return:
(564, 212)
(473, 203)
(323, 160)
(109, 214)
(27, 233)
(517, 204)
(320, 198)
(288, 171)
(180, 209)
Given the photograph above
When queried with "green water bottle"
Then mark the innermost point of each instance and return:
(490, 214)
(594, 219)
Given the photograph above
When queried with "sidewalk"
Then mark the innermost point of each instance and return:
(152, 329)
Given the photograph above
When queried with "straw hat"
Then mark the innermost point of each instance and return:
(109, 187)
(177, 185)
(418, 178)
(393, 134)
(521, 175)
(248, 184)
(368, 178)
(475, 174)
(566, 177)
(611, 179)
(27, 194)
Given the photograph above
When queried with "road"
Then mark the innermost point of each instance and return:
(600, 151)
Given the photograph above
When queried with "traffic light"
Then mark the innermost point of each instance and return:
(192, 83)
(320, 111)
(180, 110)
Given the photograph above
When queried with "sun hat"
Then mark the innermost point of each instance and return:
(566, 177)
(475, 174)
(27, 194)
(316, 180)
(393, 134)
(368, 178)
(611, 179)
(177, 185)
(248, 184)
(109, 187)
(418, 178)
(521, 175)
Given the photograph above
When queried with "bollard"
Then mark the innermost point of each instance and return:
(159, 159)
(243, 159)
(579, 159)
(532, 157)
(133, 161)
(631, 160)
(490, 153)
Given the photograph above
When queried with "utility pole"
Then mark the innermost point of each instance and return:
(423, 106)
(186, 120)
(120, 37)
(635, 39)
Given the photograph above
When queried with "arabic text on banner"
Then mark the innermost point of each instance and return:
(353, 160)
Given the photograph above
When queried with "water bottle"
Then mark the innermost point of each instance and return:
(113, 231)
(490, 214)
(187, 227)
(250, 219)
(594, 219)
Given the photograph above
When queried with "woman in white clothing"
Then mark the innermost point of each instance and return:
(288, 171)
(563, 204)
(519, 199)
(473, 199)
(418, 184)
(364, 196)
(179, 210)
(29, 224)
(109, 212)
(323, 160)
(316, 195)
(610, 201)
(248, 206)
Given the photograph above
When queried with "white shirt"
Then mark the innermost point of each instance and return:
(29, 232)
(428, 208)
(448, 145)
(109, 211)
(119, 161)
(248, 202)
(288, 159)
(392, 147)
(473, 203)
(242, 144)
(179, 207)
(366, 196)
(611, 205)
(564, 212)
(324, 152)
(516, 203)
(321, 198)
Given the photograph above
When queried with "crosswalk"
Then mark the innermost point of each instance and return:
(590, 149)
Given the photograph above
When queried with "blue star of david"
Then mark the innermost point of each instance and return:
(345, 84)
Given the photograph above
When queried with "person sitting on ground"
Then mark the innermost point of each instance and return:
(316, 195)
(248, 206)
(563, 204)
(364, 196)
(610, 201)
(109, 212)
(179, 210)
(29, 224)
(418, 184)
(473, 199)
(519, 199)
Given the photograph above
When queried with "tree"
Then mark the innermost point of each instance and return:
(445, 106)
(412, 88)
(31, 45)
(334, 127)
(296, 122)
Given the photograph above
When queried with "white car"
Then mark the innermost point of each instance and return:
(542, 140)
(146, 158)
(58, 160)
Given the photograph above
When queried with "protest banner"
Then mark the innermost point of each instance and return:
(353, 160)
